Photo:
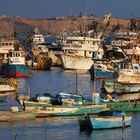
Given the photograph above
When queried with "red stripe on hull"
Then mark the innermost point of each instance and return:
(19, 75)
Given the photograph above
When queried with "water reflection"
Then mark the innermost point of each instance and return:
(55, 81)
(23, 130)
(59, 128)
(110, 134)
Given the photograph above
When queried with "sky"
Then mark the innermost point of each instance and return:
(44, 9)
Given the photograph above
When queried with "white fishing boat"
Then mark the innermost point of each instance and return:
(78, 52)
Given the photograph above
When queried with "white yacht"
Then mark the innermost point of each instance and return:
(38, 41)
(78, 52)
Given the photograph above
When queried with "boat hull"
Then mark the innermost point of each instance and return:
(121, 87)
(127, 106)
(100, 74)
(76, 62)
(124, 106)
(128, 96)
(129, 78)
(16, 71)
(110, 122)
(105, 120)
(63, 110)
(3, 97)
(7, 88)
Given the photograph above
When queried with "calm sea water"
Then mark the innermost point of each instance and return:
(59, 128)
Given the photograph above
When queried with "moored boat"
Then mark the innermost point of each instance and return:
(120, 87)
(105, 120)
(65, 110)
(70, 99)
(57, 108)
(124, 106)
(79, 50)
(108, 66)
(8, 85)
(16, 66)
(102, 72)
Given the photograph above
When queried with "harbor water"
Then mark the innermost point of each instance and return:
(59, 128)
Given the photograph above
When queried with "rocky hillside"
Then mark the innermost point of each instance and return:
(22, 26)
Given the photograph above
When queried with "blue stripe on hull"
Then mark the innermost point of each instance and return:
(103, 74)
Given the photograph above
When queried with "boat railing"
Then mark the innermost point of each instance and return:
(132, 51)
(120, 43)
(73, 45)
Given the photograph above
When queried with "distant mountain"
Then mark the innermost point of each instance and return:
(20, 26)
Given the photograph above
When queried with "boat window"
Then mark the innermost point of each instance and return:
(94, 55)
(3, 44)
(10, 54)
(1, 55)
(18, 54)
(13, 55)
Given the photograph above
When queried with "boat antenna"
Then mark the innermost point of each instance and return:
(85, 16)
(69, 17)
(94, 81)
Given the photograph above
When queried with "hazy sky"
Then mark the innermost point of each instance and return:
(58, 8)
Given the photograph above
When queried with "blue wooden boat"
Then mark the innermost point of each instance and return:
(104, 73)
(105, 120)
(100, 73)
(16, 66)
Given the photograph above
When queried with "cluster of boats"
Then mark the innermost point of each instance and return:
(81, 53)
(66, 104)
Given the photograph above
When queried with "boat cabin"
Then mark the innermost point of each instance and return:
(6, 44)
(81, 46)
(17, 57)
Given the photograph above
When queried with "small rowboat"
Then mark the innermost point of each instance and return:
(105, 120)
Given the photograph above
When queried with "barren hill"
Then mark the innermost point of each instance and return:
(23, 26)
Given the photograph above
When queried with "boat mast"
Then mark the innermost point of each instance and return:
(85, 16)
(29, 89)
(94, 81)
(76, 83)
